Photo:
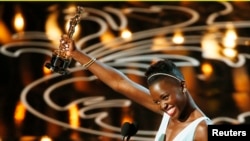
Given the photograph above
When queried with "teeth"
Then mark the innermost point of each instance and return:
(171, 110)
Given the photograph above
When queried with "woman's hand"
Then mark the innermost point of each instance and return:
(67, 45)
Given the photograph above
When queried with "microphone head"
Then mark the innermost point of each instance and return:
(125, 129)
(129, 129)
(133, 129)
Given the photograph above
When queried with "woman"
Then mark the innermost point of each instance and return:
(167, 95)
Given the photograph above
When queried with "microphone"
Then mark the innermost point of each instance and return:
(125, 129)
(128, 130)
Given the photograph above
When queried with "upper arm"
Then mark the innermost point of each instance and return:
(137, 93)
(119, 82)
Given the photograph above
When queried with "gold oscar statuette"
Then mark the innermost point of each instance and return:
(60, 61)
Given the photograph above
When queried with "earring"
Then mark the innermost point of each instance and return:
(184, 90)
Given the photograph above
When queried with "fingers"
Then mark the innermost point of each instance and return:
(65, 43)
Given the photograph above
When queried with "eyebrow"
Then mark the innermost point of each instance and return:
(164, 94)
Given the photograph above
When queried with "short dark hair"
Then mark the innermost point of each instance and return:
(166, 68)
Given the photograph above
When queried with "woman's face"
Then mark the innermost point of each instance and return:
(168, 94)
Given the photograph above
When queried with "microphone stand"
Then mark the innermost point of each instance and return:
(124, 137)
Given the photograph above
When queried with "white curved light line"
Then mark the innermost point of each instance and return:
(44, 117)
(189, 61)
(49, 119)
(151, 9)
(92, 103)
(228, 9)
(142, 45)
(103, 25)
(148, 33)
(106, 16)
(241, 23)
(137, 46)
(100, 47)
(89, 101)
(241, 119)
(109, 55)
(30, 35)
(118, 40)
(221, 25)
(103, 28)
(26, 50)
(194, 14)
(136, 137)
(5, 51)
(192, 61)
(166, 29)
(104, 104)
(241, 61)
(132, 71)
(224, 119)
(246, 55)
(236, 24)
(127, 64)
(50, 89)
(99, 117)
(156, 31)
(120, 15)
(122, 48)
(139, 72)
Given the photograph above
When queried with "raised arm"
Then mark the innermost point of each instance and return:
(113, 78)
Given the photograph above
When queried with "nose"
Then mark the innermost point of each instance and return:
(163, 104)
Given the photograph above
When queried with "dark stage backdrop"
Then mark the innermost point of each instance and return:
(208, 41)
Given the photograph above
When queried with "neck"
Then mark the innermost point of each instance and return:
(189, 109)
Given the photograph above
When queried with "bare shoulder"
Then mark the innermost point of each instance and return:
(201, 133)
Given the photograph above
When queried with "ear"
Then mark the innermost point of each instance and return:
(184, 89)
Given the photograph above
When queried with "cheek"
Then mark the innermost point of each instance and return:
(179, 97)
(180, 100)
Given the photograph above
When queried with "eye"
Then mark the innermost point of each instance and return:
(162, 97)
(165, 96)
(157, 102)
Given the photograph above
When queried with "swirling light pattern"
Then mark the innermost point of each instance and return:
(135, 52)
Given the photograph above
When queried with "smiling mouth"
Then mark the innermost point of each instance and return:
(170, 111)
